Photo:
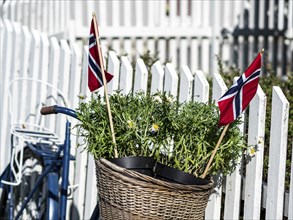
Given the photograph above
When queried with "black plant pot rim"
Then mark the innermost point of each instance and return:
(148, 166)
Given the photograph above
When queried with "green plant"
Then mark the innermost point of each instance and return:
(179, 135)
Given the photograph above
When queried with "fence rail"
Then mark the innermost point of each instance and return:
(33, 54)
(189, 32)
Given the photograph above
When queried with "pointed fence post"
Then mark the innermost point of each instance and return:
(113, 68)
(157, 77)
(141, 77)
(126, 75)
(277, 155)
(171, 80)
(213, 210)
(185, 88)
(253, 177)
(200, 87)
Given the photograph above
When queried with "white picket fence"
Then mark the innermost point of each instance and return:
(186, 32)
(33, 54)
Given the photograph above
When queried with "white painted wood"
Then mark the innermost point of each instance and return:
(141, 77)
(127, 8)
(183, 52)
(173, 18)
(127, 50)
(33, 73)
(64, 72)
(101, 12)
(126, 75)
(290, 19)
(205, 45)
(219, 87)
(151, 13)
(74, 90)
(24, 65)
(205, 15)
(139, 47)
(281, 14)
(115, 46)
(7, 43)
(115, 13)
(172, 58)
(277, 155)
(53, 68)
(196, 13)
(162, 53)
(91, 188)
(184, 18)
(194, 54)
(43, 76)
(113, 68)
(81, 156)
(157, 77)
(138, 13)
(151, 46)
(171, 80)
(213, 210)
(186, 82)
(200, 88)
(233, 182)
(254, 170)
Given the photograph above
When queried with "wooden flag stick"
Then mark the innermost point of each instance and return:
(214, 152)
(105, 84)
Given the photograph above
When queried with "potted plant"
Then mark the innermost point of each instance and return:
(177, 139)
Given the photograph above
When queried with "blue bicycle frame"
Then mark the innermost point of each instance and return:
(53, 162)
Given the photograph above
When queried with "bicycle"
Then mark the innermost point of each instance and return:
(29, 186)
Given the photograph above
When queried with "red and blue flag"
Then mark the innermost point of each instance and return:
(95, 78)
(237, 98)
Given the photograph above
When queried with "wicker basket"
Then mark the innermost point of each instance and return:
(126, 194)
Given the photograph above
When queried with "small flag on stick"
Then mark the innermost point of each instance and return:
(95, 77)
(237, 98)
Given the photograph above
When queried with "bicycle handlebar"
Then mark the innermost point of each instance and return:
(48, 110)
(55, 109)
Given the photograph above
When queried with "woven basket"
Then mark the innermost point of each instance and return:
(126, 194)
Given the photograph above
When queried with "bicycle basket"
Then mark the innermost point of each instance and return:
(127, 194)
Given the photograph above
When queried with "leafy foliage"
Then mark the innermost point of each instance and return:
(180, 135)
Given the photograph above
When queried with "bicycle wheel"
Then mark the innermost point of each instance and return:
(32, 168)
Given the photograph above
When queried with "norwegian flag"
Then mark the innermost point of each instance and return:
(237, 98)
(95, 79)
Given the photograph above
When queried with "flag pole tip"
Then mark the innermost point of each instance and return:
(94, 14)
(262, 51)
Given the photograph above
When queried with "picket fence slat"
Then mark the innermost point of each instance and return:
(80, 176)
(157, 77)
(213, 210)
(7, 62)
(201, 87)
(277, 155)
(171, 80)
(126, 76)
(24, 67)
(74, 88)
(113, 68)
(186, 82)
(253, 180)
(53, 77)
(141, 77)
(91, 188)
